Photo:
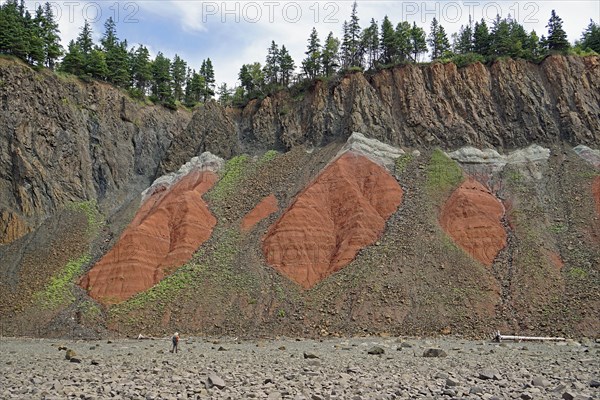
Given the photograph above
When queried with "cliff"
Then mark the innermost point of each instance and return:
(63, 141)
(418, 240)
(507, 104)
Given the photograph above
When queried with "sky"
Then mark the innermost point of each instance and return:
(232, 33)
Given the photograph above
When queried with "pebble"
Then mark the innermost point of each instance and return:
(249, 369)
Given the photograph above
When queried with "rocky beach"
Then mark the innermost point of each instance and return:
(357, 368)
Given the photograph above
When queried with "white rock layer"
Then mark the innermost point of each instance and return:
(373, 149)
(204, 162)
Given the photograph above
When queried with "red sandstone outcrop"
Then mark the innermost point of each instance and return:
(472, 217)
(266, 207)
(341, 212)
(168, 228)
(596, 192)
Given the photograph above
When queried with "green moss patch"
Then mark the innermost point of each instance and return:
(231, 175)
(58, 291)
(443, 173)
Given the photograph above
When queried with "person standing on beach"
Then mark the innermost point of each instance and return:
(175, 341)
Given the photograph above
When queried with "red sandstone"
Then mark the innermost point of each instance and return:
(341, 212)
(262, 210)
(166, 231)
(472, 217)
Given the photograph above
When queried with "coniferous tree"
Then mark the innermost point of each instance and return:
(74, 61)
(286, 66)
(312, 63)
(354, 44)
(345, 51)
(557, 37)
(438, 40)
(519, 40)
(208, 73)
(13, 33)
(116, 54)
(370, 42)
(388, 41)
(84, 40)
(481, 38)
(257, 76)
(245, 79)
(464, 42)
(403, 42)
(178, 74)
(194, 89)
(225, 94)
(532, 48)
(161, 79)
(417, 41)
(50, 35)
(329, 56)
(590, 38)
(78, 61)
(500, 43)
(141, 70)
(34, 37)
(252, 79)
(96, 65)
(272, 64)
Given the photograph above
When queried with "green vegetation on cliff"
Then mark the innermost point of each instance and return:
(58, 291)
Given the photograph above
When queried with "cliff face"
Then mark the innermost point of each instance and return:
(414, 266)
(508, 104)
(65, 141)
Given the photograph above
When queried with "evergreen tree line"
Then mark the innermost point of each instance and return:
(382, 45)
(36, 40)
(166, 81)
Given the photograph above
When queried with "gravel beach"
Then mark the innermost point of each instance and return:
(341, 368)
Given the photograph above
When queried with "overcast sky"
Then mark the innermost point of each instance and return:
(233, 33)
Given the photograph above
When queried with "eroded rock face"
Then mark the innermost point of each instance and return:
(506, 104)
(266, 207)
(596, 191)
(12, 227)
(472, 217)
(166, 231)
(341, 212)
(64, 141)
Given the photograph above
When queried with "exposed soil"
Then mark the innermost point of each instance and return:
(166, 231)
(266, 207)
(342, 211)
(412, 280)
(596, 192)
(472, 216)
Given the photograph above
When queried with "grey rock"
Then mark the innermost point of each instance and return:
(540, 382)
(434, 352)
(450, 382)
(376, 350)
(476, 390)
(214, 380)
(487, 374)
